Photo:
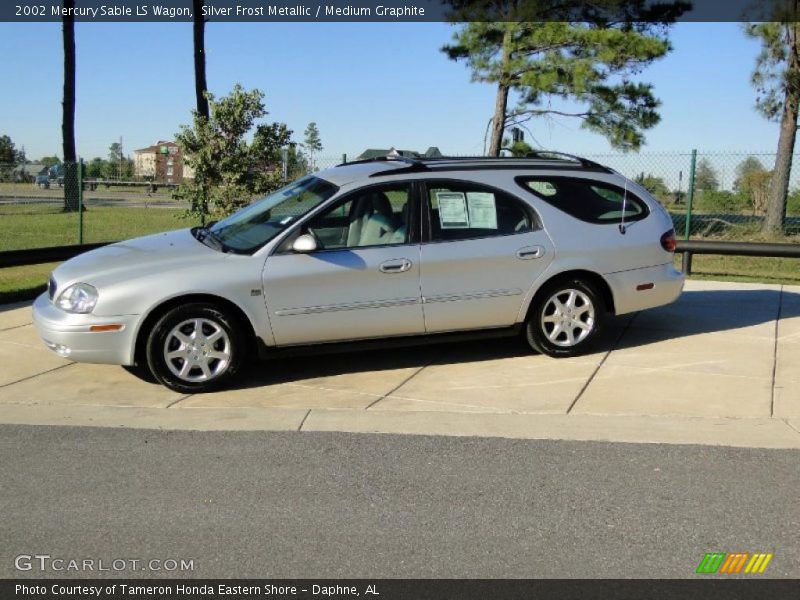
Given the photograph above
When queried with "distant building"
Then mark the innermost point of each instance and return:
(162, 162)
(432, 152)
(28, 171)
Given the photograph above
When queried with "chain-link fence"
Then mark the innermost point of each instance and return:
(57, 206)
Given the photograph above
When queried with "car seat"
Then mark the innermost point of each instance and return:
(371, 221)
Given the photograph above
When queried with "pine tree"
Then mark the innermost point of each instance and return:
(591, 63)
(312, 142)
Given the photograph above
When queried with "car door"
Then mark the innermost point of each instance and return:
(363, 279)
(482, 251)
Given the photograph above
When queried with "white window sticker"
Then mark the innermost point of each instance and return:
(482, 210)
(452, 210)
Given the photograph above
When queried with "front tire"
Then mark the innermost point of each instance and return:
(196, 348)
(566, 318)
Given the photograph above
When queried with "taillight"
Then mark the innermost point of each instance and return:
(668, 241)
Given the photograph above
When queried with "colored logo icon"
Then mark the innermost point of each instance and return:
(731, 564)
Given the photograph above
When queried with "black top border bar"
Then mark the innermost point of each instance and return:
(332, 11)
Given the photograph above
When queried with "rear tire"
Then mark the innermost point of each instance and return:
(566, 318)
(196, 348)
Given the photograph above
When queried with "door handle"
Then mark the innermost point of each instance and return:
(530, 252)
(400, 265)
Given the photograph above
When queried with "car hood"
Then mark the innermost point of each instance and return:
(130, 259)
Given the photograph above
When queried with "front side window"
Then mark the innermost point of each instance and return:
(253, 226)
(461, 211)
(587, 200)
(376, 216)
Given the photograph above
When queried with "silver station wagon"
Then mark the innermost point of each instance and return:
(547, 247)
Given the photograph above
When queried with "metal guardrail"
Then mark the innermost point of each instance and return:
(37, 256)
(691, 247)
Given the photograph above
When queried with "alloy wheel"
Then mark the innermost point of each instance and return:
(568, 317)
(197, 350)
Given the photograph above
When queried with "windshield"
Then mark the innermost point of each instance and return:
(253, 226)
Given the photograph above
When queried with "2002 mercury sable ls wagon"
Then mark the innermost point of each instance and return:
(549, 245)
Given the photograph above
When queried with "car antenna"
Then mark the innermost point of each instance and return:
(622, 228)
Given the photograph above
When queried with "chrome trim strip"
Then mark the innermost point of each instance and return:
(471, 296)
(310, 310)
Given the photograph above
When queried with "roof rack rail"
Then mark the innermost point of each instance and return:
(534, 154)
(415, 162)
(435, 163)
(583, 161)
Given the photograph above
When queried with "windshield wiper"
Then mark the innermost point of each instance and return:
(210, 239)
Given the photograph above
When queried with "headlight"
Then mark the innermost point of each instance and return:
(78, 298)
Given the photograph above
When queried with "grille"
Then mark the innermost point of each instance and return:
(51, 287)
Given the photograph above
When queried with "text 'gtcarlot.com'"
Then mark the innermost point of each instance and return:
(45, 562)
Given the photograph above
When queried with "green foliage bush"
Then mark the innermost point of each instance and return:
(235, 158)
(721, 201)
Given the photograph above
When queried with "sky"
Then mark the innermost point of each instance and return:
(366, 85)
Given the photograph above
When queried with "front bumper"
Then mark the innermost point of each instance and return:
(667, 284)
(70, 335)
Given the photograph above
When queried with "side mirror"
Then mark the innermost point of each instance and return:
(305, 243)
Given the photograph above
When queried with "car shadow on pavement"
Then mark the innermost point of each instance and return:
(751, 312)
(333, 363)
(15, 305)
(336, 362)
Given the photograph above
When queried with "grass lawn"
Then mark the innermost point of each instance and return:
(18, 283)
(752, 269)
(37, 226)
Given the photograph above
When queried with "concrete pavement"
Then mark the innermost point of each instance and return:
(720, 366)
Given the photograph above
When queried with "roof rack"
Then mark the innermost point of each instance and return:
(585, 162)
(537, 156)
(404, 159)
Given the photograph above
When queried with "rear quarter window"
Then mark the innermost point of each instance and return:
(587, 200)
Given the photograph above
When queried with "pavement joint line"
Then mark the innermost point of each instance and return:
(775, 353)
(614, 346)
(16, 327)
(397, 387)
(174, 402)
(790, 426)
(303, 422)
(37, 375)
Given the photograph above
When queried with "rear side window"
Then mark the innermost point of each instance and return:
(460, 211)
(587, 200)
